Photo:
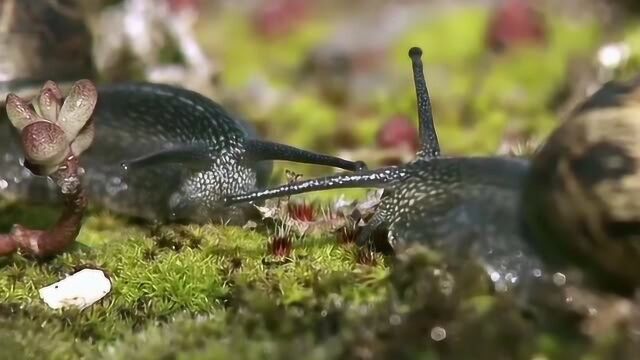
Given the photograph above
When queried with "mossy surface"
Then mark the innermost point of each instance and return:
(215, 292)
(159, 273)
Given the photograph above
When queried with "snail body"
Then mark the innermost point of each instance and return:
(452, 204)
(181, 151)
(163, 153)
(575, 204)
(464, 207)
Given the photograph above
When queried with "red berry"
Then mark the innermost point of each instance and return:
(279, 17)
(514, 23)
(399, 132)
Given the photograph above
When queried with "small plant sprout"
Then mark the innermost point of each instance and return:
(302, 210)
(281, 243)
(54, 132)
(348, 233)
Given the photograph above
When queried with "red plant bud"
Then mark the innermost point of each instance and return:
(281, 246)
(301, 211)
(54, 89)
(397, 133)
(20, 112)
(348, 234)
(515, 22)
(84, 139)
(49, 103)
(77, 108)
(44, 143)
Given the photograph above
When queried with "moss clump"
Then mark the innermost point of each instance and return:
(433, 311)
(215, 292)
(162, 272)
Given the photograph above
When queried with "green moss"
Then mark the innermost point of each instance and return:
(250, 54)
(159, 273)
(214, 292)
(479, 95)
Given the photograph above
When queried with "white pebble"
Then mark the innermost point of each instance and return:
(79, 290)
(438, 333)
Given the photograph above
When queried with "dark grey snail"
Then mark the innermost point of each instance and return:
(447, 203)
(494, 208)
(181, 153)
(181, 150)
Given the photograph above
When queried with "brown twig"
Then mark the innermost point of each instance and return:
(55, 240)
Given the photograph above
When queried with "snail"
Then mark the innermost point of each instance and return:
(163, 153)
(512, 214)
(180, 151)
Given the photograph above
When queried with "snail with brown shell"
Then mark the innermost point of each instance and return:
(575, 203)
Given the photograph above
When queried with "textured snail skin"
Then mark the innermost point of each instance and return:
(463, 207)
(138, 119)
(468, 208)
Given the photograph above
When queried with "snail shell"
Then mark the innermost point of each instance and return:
(582, 197)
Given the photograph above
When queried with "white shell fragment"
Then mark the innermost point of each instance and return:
(79, 290)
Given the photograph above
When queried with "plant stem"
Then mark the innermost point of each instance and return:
(50, 242)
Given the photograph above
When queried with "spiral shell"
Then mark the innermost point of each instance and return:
(583, 195)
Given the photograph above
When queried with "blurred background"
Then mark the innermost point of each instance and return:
(334, 76)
